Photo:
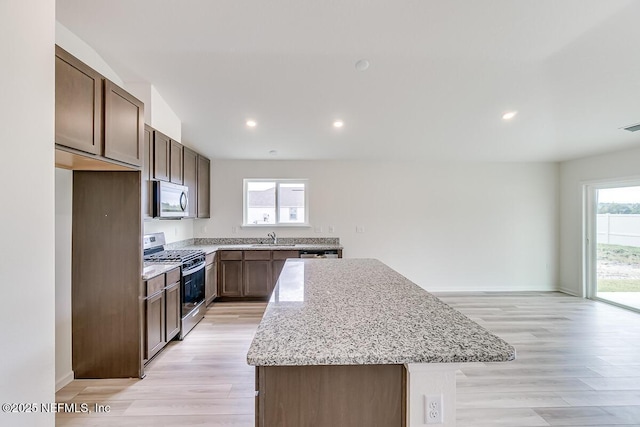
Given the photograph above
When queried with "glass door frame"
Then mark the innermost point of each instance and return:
(590, 236)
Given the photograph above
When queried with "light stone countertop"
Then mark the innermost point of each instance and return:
(360, 311)
(152, 269)
(264, 247)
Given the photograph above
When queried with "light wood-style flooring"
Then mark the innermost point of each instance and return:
(578, 362)
(578, 365)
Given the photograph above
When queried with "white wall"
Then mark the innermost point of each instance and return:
(85, 53)
(446, 227)
(163, 118)
(64, 205)
(573, 175)
(157, 113)
(174, 230)
(26, 168)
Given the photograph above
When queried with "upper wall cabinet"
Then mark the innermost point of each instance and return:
(168, 160)
(147, 175)
(161, 144)
(204, 173)
(190, 179)
(78, 104)
(175, 156)
(94, 116)
(124, 125)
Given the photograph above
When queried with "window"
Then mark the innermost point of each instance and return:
(276, 202)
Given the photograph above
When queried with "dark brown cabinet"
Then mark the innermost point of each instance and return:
(203, 198)
(155, 324)
(331, 395)
(162, 311)
(257, 277)
(78, 119)
(279, 258)
(147, 174)
(107, 302)
(172, 322)
(123, 125)
(95, 117)
(250, 274)
(161, 144)
(190, 179)
(210, 279)
(175, 162)
(231, 273)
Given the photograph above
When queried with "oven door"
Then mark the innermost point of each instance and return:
(192, 288)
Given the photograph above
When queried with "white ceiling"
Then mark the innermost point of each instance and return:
(442, 74)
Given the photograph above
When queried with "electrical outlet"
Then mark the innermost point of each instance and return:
(433, 409)
(332, 229)
(234, 229)
(318, 229)
(359, 228)
(204, 229)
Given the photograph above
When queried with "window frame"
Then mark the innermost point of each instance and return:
(278, 182)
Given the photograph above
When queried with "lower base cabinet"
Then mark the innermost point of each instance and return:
(256, 274)
(210, 279)
(172, 311)
(230, 271)
(162, 312)
(155, 309)
(331, 395)
(251, 274)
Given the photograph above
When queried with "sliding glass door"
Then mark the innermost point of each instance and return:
(615, 259)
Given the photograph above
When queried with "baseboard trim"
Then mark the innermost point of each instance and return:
(569, 292)
(64, 380)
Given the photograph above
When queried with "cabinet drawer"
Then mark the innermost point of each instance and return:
(173, 276)
(154, 285)
(211, 258)
(257, 255)
(231, 255)
(285, 254)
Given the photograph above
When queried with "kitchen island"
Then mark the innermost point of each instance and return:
(351, 342)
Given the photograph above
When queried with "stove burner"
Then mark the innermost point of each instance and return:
(177, 255)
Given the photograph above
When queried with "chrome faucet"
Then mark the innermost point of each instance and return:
(274, 239)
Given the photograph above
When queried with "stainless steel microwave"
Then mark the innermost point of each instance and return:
(170, 200)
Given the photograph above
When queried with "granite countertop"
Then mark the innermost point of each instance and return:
(359, 311)
(151, 270)
(264, 247)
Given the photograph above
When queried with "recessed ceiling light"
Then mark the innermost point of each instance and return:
(509, 115)
(362, 65)
(252, 123)
(338, 124)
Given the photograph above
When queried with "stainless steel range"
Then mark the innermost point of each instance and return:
(192, 263)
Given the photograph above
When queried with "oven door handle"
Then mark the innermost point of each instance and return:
(194, 269)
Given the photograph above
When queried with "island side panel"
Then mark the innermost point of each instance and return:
(329, 396)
